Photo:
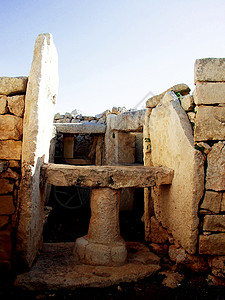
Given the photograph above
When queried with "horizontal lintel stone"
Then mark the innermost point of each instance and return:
(115, 177)
(80, 128)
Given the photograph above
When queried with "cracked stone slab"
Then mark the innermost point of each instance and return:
(56, 269)
(115, 177)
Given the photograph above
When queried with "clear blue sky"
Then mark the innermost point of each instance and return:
(112, 53)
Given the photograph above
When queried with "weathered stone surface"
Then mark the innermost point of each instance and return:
(139, 253)
(104, 247)
(6, 244)
(11, 127)
(10, 149)
(207, 93)
(182, 88)
(6, 205)
(131, 121)
(5, 186)
(4, 220)
(125, 148)
(37, 133)
(158, 234)
(9, 173)
(159, 248)
(52, 273)
(14, 164)
(115, 177)
(210, 69)
(209, 123)
(187, 102)
(215, 177)
(3, 105)
(172, 145)
(172, 280)
(213, 244)
(3, 166)
(217, 265)
(203, 147)
(195, 263)
(215, 281)
(16, 105)
(211, 203)
(85, 128)
(222, 208)
(13, 85)
(214, 223)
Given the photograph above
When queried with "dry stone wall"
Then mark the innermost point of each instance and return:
(12, 102)
(209, 133)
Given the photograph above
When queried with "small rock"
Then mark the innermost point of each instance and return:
(172, 280)
(187, 102)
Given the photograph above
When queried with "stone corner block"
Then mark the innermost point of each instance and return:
(210, 69)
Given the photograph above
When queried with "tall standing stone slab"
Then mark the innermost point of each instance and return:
(37, 132)
(172, 145)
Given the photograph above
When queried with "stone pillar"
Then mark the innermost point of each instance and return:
(103, 244)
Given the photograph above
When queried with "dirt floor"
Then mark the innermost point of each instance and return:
(65, 225)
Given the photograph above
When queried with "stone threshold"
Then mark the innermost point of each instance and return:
(56, 269)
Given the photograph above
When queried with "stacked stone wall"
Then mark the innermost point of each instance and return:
(12, 98)
(209, 134)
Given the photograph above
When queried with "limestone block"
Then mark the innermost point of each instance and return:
(222, 209)
(6, 205)
(203, 147)
(5, 244)
(211, 203)
(210, 69)
(158, 234)
(5, 186)
(40, 101)
(16, 105)
(14, 164)
(217, 264)
(187, 102)
(172, 145)
(13, 85)
(209, 123)
(207, 93)
(125, 148)
(182, 88)
(213, 244)
(10, 149)
(215, 177)
(9, 173)
(131, 121)
(3, 105)
(214, 223)
(11, 127)
(3, 166)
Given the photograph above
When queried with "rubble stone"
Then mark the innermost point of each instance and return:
(16, 105)
(172, 145)
(187, 102)
(215, 177)
(213, 244)
(6, 186)
(209, 123)
(11, 127)
(10, 149)
(6, 205)
(210, 69)
(207, 93)
(217, 265)
(211, 203)
(13, 85)
(214, 223)
(182, 88)
(6, 244)
(3, 105)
